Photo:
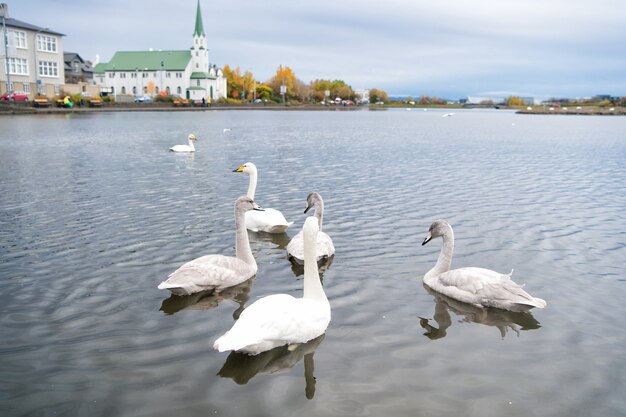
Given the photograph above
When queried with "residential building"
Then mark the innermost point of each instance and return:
(185, 73)
(77, 70)
(32, 57)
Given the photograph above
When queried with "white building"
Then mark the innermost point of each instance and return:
(33, 56)
(185, 73)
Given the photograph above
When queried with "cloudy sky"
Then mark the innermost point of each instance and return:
(447, 48)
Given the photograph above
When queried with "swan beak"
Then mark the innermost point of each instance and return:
(259, 208)
(307, 208)
(427, 239)
(240, 169)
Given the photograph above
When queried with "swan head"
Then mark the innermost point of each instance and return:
(245, 203)
(246, 168)
(437, 229)
(192, 137)
(312, 200)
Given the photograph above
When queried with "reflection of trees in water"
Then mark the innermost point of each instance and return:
(209, 299)
(502, 319)
(241, 368)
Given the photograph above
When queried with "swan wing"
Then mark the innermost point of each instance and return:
(207, 272)
(485, 287)
(269, 220)
(181, 148)
(274, 321)
(324, 246)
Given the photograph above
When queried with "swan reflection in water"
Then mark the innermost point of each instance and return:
(322, 265)
(502, 319)
(281, 240)
(209, 299)
(241, 368)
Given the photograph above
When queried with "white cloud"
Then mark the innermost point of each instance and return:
(444, 47)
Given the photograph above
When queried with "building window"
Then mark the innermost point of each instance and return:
(134, 91)
(48, 69)
(196, 65)
(179, 75)
(46, 43)
(198, 83)
(157, 90)
(76, 67)
(154, 74)
(27, 87)
(178, 90)
(57, 89)
(168, 75)
(18, 66)
(144, 75)
(122, 75)
(133, 75)
(19, 39)
(145, 90)
(123, 90)
(168, 90)
(111, 75)
(112, 90)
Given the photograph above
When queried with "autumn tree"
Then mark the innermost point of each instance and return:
(337, 88)
(377, 95)
(514, 101)
(296, 89)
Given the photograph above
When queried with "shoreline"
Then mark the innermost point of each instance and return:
(12, 109)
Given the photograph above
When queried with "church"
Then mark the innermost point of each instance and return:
(185, 73)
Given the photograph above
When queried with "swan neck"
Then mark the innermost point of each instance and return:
(252, 184)
(242, 243)
(444, 262)
(313, 289)
(193, 149)
(319, 213)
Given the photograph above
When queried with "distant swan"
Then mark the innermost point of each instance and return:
(185, 148)
(324, 247)
(269, 220)
(282, 319)
(477, 286)
(217, 271)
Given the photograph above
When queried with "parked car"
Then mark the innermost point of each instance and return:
(15, 95)
(143, 99)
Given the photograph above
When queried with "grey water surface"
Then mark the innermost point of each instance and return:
(95, 212)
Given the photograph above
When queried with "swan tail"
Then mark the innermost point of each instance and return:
(226, 343)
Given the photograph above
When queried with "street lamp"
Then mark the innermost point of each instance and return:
(5, 41)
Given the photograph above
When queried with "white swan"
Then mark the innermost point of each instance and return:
(281, 319)
(269, 220)
(324, 247)
(217, 271)
(185, 148)
(478, 286)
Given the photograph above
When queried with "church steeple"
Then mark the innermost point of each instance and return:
(199, 29)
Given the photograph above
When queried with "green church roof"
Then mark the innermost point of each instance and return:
(201, 76)
(140, 60)
(100, 68)
(199, 29)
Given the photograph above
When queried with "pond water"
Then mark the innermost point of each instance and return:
(95, 212)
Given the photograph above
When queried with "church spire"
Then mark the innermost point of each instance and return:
(199, 29)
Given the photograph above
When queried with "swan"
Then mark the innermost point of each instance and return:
(477, 286)
(324, 247)
(269, 220)
(282, 319)
(185, 148)
(216, 272)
